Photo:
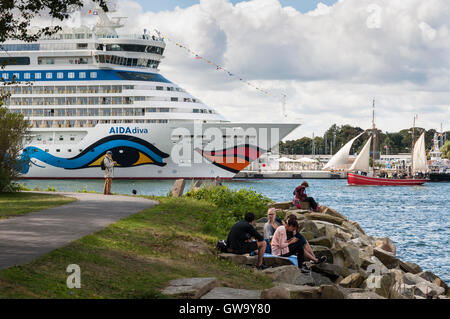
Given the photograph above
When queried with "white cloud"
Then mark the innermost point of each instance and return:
(331, 61)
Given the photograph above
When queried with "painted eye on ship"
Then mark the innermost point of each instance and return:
(126, 157)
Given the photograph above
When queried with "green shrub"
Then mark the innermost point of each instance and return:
(231, 207)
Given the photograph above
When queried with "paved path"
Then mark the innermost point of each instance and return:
(24, 238)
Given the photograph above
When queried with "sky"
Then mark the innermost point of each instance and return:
(330, 58)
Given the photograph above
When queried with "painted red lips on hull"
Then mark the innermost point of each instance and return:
(233, 159)
(356, 179)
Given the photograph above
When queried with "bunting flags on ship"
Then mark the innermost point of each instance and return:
(218, 67)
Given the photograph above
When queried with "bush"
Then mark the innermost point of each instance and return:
(13, 128)
(231, 207)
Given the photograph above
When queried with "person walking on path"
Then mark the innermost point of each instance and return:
(109, 172)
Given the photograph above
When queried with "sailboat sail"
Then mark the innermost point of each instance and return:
(419, 155)
(361, 163)
(340, 159)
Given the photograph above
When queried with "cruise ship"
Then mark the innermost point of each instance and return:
(88, 90)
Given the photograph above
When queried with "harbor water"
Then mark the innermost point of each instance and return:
(416, 219)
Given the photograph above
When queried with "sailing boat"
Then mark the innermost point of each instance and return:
(361, 163)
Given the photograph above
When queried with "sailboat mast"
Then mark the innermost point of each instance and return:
(412, 145)
(373, 137)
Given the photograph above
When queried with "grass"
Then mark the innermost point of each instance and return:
(15, 204)
(133, 258)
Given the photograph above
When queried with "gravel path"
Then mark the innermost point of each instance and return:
(24, 238)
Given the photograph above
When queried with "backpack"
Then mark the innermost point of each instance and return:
(222, 246)
(102, 165)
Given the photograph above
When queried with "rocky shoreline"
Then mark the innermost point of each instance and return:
(358, 266)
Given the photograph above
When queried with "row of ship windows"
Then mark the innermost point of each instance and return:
(104, 112)
(106, 100)
(111, 59)
(48, 75)
(82, 46)
(70, 89)
(86, 123)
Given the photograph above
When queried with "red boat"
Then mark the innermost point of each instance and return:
(356, 179)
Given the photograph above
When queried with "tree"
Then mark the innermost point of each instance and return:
(13, 128)
(16, 16)
(445, 149)
(15, 20)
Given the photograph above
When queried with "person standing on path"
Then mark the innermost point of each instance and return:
(109, 172)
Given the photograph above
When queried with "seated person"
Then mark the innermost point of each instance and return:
(300, 196)
(269, 228)
(283, 247)
(239, 239)
(307, 250)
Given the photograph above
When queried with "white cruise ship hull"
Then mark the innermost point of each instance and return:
(150, 151)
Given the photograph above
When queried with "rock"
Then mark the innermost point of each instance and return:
(276, 293)
(352, 228)
(349, 253)
(302, 292)
(330, 270)
(325, 218)
(282, 205)
(190, 288)
(331, 292)
(388, 259)
(352, 281)
(322, 228)
(232, 293)
(277, 261)
(381, 284)
(338, 258)
(178, 188)
(308, 235)
(296, 212)
(285, 274)
(320, 251)
(429, 276)
(322, 241)
(385, 244)
(410, 267)
(239, 259)
(305, 279)
(358, 227)
(364, 295)
(332, 212)
(417, 286)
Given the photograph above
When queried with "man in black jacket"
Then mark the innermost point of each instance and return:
(239, 239)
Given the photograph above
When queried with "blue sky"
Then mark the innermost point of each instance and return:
(161, 5)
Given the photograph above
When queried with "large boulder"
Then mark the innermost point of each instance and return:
(320, 251)
(387, 258)
(276, 261)
(277, 292)
(417, 286)
(322, 241)
(178, 188)
(331, 292)
(302, 292)
(429, 276)
(330, 211)
(325, 218)
(282, 205)
(354, 280)
(409, 267)
(385, 244)
(330, 270)
(239, 259)
(286, 274)
(381, 284)
(189, 288)
(364, 295)
(232, 293)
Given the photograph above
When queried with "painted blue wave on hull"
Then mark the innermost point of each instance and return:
(31, 152)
